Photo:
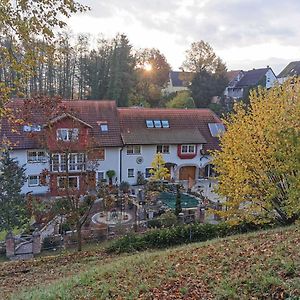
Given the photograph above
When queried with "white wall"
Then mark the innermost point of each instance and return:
(270, 79)
(31, 169)
(111, 162)
(148, 152)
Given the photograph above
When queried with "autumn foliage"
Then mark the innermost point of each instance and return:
(259, 160)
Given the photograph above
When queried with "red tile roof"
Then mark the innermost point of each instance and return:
(125, 125)
(191, 125)
(90, 112)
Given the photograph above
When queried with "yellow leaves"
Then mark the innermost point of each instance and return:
(250, 148)
(159, 171)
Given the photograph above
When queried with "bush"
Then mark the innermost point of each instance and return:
(51, 242)
(176, 235)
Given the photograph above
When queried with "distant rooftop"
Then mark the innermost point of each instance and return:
(252, 77)
(293, 68)
(180, 78)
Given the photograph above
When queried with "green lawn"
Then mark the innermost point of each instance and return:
(262, 265)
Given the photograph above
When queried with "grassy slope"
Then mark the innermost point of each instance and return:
(264, 265)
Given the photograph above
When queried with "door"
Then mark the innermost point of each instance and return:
(187, 173)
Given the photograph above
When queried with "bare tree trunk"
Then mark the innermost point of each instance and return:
(79, 237)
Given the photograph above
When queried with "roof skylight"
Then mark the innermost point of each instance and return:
(216, 129)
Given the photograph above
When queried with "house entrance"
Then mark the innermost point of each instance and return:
(187, 173)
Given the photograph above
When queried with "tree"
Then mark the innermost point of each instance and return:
(21, 22)
(121, 75)
(12, 202)
(152, 74)
(159, 171)
(182, 99)
(210, 73)
(259, 160)
(201, 56)
(110, 174)
(206, 85)
(178, 208)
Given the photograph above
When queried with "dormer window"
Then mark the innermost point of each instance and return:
(67, 134)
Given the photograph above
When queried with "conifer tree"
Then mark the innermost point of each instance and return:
(12, 202)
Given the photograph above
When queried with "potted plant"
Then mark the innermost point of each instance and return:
(110, 174)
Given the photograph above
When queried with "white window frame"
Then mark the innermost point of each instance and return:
(103, 177)
(134, 150)
(71, 134)
(165, 149)
(37, 158)
(188, 150)
(79, 164)
(131, 175)
(70, 177)
(34, 184)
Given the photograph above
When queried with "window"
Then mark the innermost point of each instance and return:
(72, 182)
(147, 172)
(33, 180)
(104, 127)
(157, 123)
(67, 134)
(100, 176)
(32, 128)
(130, 173)
(75, 162)
(134, 149)
(216, 129)
(188, 149)
(149, 123)
(165, 123)
(36, 156)
(163, 149)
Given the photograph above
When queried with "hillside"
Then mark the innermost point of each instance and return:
(263, 265)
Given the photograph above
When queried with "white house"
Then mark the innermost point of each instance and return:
(178, 81)
(241, 81)
(292, 69)
(124, 140)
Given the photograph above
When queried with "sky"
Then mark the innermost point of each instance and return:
(246, 34)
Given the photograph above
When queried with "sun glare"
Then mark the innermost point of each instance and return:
(147, 67)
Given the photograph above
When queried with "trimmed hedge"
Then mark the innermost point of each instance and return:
(182, 234)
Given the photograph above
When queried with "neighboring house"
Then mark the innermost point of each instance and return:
(233, 78)
(244, 81)
(121, 139)
(178, 81)
(292, 69)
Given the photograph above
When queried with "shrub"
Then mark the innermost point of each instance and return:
(176, 235)
(51, 242)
